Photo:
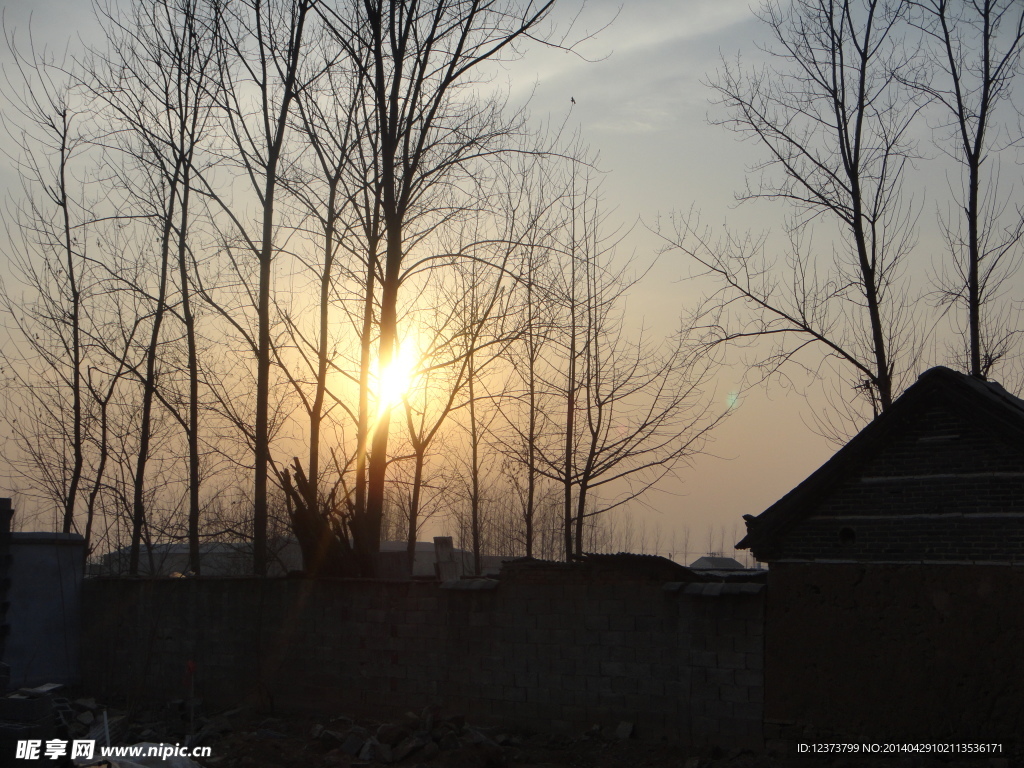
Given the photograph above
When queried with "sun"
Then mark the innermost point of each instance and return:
(396, 379)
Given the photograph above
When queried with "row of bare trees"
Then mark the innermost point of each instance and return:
(841, 109)
(296, 264)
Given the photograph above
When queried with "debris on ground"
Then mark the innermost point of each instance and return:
(428, 738)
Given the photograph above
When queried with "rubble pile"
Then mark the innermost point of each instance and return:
(424, 736)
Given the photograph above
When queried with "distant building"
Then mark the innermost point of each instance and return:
(226, 558)
(717, 563)
(424, 559)
(218, 558)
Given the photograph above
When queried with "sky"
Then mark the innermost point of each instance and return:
(641, 101)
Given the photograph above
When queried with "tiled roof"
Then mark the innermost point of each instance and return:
(982, 401)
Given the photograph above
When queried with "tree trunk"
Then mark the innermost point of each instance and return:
(149, 388)
(370, 526)
(78, 460)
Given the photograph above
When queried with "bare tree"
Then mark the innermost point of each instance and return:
(327, 112)
(833, 122)
(48, 248)
(261, 46)
(631, 410)
(103, 384)
(445, 370)
(248, 146)
(536, 193)
(153, 85)
(975, 55)
(417, 61)
(482, 307)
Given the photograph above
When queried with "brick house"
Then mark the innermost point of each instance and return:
(895, 600)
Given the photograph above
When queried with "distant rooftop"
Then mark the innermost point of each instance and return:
(716, 563)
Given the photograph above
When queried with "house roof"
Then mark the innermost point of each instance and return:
(984, 403)
(401, 546)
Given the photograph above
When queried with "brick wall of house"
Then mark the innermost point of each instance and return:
(942, 489)
(979, 539)
(901, 653)
(680, 661)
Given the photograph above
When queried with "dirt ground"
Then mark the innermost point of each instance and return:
(261, 742)
(248, 738)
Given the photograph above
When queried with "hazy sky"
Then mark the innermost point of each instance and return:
(641, 103)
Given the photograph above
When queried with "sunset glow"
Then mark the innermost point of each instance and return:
(396, 378)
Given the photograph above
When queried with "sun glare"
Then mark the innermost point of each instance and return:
(395, 380)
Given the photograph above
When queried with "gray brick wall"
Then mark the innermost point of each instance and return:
(899, 653)
(557, 655)
(942, 489)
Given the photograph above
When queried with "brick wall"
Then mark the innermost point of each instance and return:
(43, 605)
(680, 661)
(903, 653)
(942, 488)
(981, 539)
